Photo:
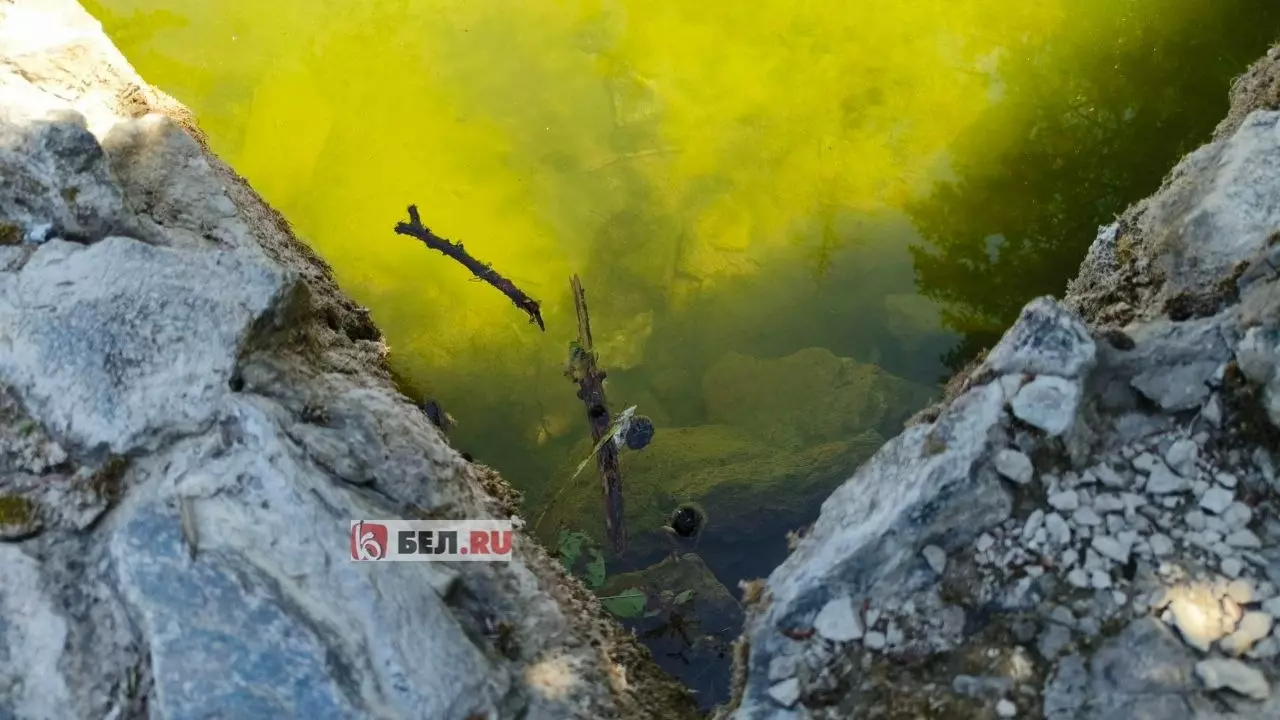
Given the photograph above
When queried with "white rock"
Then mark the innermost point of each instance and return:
(1086, 516)
(1108, 503)
(1006, 709)
(1212, 411)
(1161, 545)
(984, 542)
(1111, 548)
(1048, 403)
(1035, 522)
(875, 640)
(1069, 558)
(1238, 515)
(936, 557)
(783, 667)
(1014, 465)
(1226, 480)
(1182, 456)
(1109, 477)
(1243, 539)
(1217, 499)
(1162, 481)
(1253, 627)
(1195, 520)
(1219, 673)
(1058, 530)
(1146, 462)
(838, 621)
(785, 693)
(1065, 501)
(1231, 567)
(1241, 591)
(1079, 578)
(1099, 580)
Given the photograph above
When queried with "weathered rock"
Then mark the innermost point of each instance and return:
(187, 407)
(1217, 674)
(1047, 339)
(1049, 403)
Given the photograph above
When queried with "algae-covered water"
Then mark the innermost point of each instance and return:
(791, 218)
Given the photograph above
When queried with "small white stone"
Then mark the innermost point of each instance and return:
(1212, 411)
(1146, 462)
(936, 557)
(1109, 477)
(1108, 503)
(1162, 481)
(1111, 548)
(1058, 530)
(1271, 607)
(984, 543)
(785, 693)
(838, 621)
(1219, 673)
(1079, 578)
(1014, 465)
(1238, 515)
(1241, 591)
(783, 667)
(1069, 558)
(1161, 545)
(873, 614)
(1065, 501)
(1048, 402)
(1253, 627)
(1231, 567)
(1226, 480)
(1034, 521)
(1243, 539)
(1217, 499)
(1006, 709)
(1182, 456)
(875, 640)
(1099, 580)
(1086, 516)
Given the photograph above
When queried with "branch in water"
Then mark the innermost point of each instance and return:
(415, 229)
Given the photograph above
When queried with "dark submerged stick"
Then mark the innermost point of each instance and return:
(415, 229)
(584, 371)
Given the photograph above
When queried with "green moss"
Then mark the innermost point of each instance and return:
(10, 234)
(108, 481)
(16, 510)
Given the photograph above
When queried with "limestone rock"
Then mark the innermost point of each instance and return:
(1218, 673)
(1048, 402)
(1047, 339)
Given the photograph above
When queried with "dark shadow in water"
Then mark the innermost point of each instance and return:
(1097, 119)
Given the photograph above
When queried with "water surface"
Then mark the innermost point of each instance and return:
(791, 217)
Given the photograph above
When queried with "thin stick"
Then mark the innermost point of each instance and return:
(483, 271)
(584, 371)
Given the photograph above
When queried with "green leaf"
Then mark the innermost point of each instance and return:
(569, 546)
(629, 604)
(683, 597)
(595, 570)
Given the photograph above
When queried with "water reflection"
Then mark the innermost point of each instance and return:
(1085, 126)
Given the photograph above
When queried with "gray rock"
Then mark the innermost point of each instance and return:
(1047, 339)
(838, 621)
(786, 693)
(1066, 500)
(1181, 457)
(875, 640)
(936, 557)
(1048, 403)
(1226, 673)
(1086, 516)
(1006, 709)
(1161, 545)
(1014, 465)
(1243, 539)
(1182, 387)
(1111, 549)
(1058, 530)
(1216, 500)
(1163, 482)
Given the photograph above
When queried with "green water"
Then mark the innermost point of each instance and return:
(790, 217)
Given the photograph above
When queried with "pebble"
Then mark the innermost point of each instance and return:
(1065, 501)
(1253, 627)
(1048, 402)
(785, 693)
(1163, 482)
(1146, 462)
(1014, 465)
(1099, 580)
(875, 640)
(1058, 530)
(1231, 567)
(1006, 709)
(838, 621)
(1079, 578)
(1111, 548)
(1109, 478)
(1160, 544)
(1034, 522)
(984, 543)
(1238, 515)
(1086, 516)
(1243, 539)
(936, 557)
(1182, 456)
(1226, 480)
(1219, 673)
(1109, 503)
(1216, 500)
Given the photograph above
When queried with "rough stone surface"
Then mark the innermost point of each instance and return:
(1133, 573)
(191, 414)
